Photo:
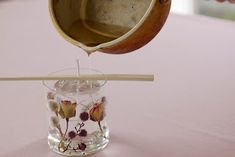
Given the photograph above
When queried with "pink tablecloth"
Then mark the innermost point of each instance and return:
(189, 111)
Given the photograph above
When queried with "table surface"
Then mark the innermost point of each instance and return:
(188, 111)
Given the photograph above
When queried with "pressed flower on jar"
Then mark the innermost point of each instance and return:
(53, 106)
(97, 112)
(55, 123)
(50, 95)
(84, 116)
(67, 109)
(72, 134)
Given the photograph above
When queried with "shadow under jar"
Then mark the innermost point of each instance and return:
(110, 26)
(77, 125)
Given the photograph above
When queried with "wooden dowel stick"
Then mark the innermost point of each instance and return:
(108, 77)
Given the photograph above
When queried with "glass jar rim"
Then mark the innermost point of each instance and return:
(89, 70)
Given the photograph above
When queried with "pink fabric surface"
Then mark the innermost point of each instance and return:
(188, 111)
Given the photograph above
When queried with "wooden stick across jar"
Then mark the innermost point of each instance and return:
(108, 77)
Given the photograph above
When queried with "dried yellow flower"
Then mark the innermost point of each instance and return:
(97, 112)
(67, 109)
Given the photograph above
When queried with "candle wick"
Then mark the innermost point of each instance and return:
(78, 67)
(78, 82)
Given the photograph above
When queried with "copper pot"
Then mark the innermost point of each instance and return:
(109, 26)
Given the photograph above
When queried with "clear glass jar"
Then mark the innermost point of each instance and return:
(77, 125)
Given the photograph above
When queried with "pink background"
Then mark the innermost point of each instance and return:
(189, 111)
